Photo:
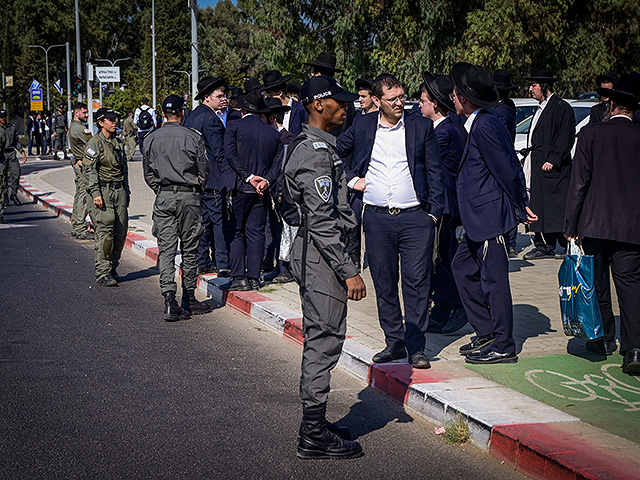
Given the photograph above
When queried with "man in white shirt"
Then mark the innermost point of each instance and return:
(397, 170)
(144, 126)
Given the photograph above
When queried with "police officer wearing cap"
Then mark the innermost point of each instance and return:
(79, 135)
(60, 131)
(12, 144)
(205, 120)
(320, 262)
(175, 166)
(108, 186)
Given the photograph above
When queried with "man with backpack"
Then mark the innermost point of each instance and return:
(145, 119)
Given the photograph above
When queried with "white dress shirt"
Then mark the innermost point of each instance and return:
(287, 115)
(388, 180)
(469, 123)
(526, 168)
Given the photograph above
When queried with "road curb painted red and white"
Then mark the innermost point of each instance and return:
(538, 440)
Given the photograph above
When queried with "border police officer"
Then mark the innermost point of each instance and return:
(108, 184)
(12, 144)
(320, 263)
(176, 167)
(3, 173)
(60, 131)
(129, 131)
(79, 135)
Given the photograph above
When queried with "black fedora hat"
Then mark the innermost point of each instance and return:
(439, 87)
(475, 84)
(325, 61)
(364, 84)
(607, 77)
(275, 105)
(251, 84)
(208, 84)
(625, 92)
(273, 78)
(502, 79)
(253, 102)
(543, 76)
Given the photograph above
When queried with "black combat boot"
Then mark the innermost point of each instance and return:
(172, 312)
(192, 305)
(317, 440)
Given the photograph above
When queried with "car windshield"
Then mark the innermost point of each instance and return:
(580, 112)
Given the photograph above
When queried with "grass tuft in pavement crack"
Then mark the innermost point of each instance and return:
(457, 432)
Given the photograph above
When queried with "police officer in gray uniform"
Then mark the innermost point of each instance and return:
(12, 144)
(315, 181)
(176, 167)
(3, 173)
(60, 131)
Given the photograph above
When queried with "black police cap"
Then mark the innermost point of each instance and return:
(173, 104)
(324, 87)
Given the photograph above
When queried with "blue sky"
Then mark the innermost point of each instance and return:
(207, 3)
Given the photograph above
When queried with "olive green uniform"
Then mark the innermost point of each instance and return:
(318, 183)
(11, 148)
(129, 131)
(176, 167)
(106, 174)
(60, 128)
(79, 135)
(3, 173)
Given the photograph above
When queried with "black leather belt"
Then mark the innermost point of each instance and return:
(111, 184)
(9, 150)
(179, 188)
(392, 210)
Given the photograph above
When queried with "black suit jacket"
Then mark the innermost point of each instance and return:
(604, 198)
(552, 140)
(423, 156)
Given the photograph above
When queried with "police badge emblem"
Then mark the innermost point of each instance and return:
(324, 186)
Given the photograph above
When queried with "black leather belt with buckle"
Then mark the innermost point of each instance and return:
(393, 210)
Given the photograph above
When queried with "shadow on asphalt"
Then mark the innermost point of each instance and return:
(369, 414)
(147, 272)
(528, 322)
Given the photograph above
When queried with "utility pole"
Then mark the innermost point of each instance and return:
(46, 56)
(153, 49)
(69, 113)
(193, 6)
(78, 54)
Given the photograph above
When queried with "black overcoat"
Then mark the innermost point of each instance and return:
(552, 140)
(604, 198)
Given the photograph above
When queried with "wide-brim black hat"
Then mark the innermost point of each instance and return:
(440, 87)
(364, 84)
(542, 76)
(607, 77)
(475, 84)
(325, 61)
(253, 102)
(276, 106)
(207, 84)
(273, 78)
(251, 84)
(502, 80)
(626, 91)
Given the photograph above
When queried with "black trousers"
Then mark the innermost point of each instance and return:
(445, 292)
(481, 270)
(622, 260)
(547, 240)
(405, 239)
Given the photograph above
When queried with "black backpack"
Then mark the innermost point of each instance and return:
(145, 120)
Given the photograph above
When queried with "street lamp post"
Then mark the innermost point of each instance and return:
(113, 64)
(46, 56)
(189, 74)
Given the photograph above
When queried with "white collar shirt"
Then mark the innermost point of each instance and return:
(287, 115)
(438, 121)
(388, 179)
(469, 123)
(536, 117)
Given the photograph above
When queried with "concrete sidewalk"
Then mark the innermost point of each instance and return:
(539, 440)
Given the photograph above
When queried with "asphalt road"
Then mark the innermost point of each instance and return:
(93, 384)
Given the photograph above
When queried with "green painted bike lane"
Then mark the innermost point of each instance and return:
(586, 386)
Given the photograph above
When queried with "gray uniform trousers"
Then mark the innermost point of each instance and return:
(80, 201)
(111, 224)
(324, 323)
(177, 216)
(61, 141)
(13, 166)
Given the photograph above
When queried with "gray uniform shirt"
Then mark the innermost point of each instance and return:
(12, 139)
(60, 122)
(175, 155)
(318, 179)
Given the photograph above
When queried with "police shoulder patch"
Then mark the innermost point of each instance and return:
(324, 186)
(319, 145)
(90, 151)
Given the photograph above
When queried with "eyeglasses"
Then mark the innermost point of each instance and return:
(398, 99)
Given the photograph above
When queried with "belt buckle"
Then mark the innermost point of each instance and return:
(394, 210)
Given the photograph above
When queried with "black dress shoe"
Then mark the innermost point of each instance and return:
(538, 254)
(388, 355)
(487, 357)
(457, 320)
(255, 284)
(610, 347)
(631, 362)
(239, 284)
(597, 346)
(224, 273)
(107, 281)
(477, 344)
(419, 360)
(283, 277)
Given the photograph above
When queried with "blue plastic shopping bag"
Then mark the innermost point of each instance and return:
(578, 302)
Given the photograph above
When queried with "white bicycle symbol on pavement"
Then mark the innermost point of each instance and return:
(592, 387)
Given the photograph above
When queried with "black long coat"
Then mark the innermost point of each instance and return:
(552, 140)
(604, 198)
